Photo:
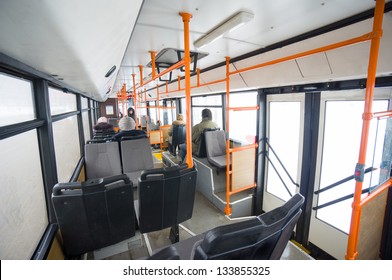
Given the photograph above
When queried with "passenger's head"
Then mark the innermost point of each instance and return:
(180, 117)
(126, 123)
(131, 111)
(102, 120)
(206, 114)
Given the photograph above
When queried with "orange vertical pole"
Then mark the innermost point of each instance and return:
(179, 82)
(198, 76)
(158, 104)
(152, 53)
(228, 209)
(134, 96)
(141, 74)
(367, 117)
(187, 59)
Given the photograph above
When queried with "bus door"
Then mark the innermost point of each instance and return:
(338, 147)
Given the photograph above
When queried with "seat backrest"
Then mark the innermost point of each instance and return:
(102, 160)
(136, 155)
(166, 197)
(215, 142)
(178, 134)
(94, 214)
(202, 153)
(263, 237)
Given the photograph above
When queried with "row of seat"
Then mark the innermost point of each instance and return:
(101, 212)
(130, 157)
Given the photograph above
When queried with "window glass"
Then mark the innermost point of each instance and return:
(216, 115)
(17, 104)
(86, 126)
(153, 112)
(207, 100)
(66, 142)
(243, 123)
(22, 199)
(84, 102)
(183, 108)
(61, 102)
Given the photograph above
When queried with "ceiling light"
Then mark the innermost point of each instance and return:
(229, 25)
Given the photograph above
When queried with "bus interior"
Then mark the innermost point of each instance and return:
(300, 156)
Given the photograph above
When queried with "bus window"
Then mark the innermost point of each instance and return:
(65, 134)
(243, 123)
(22, 198)
(212, 102)
(13, 111)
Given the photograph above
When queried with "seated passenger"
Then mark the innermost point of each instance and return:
(197, 129)
(152, 126)
(103, 128)
(127, 128)
(178, 121)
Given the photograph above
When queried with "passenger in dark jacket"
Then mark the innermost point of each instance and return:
(127, 128)
(103, 127)
(197, 129)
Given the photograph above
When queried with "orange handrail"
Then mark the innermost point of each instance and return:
(380, 115)
(367, 116)
(355, 40)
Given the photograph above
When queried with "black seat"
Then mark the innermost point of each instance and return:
(263, 237)
(166, 198)
(202, 152)
(178, 137)
(94, 214)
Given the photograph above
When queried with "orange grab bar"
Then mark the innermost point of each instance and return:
(380, 115)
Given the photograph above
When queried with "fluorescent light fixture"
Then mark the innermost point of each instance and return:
(229, 25)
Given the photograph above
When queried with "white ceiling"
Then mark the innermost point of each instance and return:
(79, 41)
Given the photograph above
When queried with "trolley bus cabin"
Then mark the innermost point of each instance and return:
(301, 91)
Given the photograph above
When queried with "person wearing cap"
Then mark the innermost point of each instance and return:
(103, 127)
(127, 128)
(197, 129)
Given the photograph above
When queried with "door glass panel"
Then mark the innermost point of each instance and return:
(342, 134)
(283, 137)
